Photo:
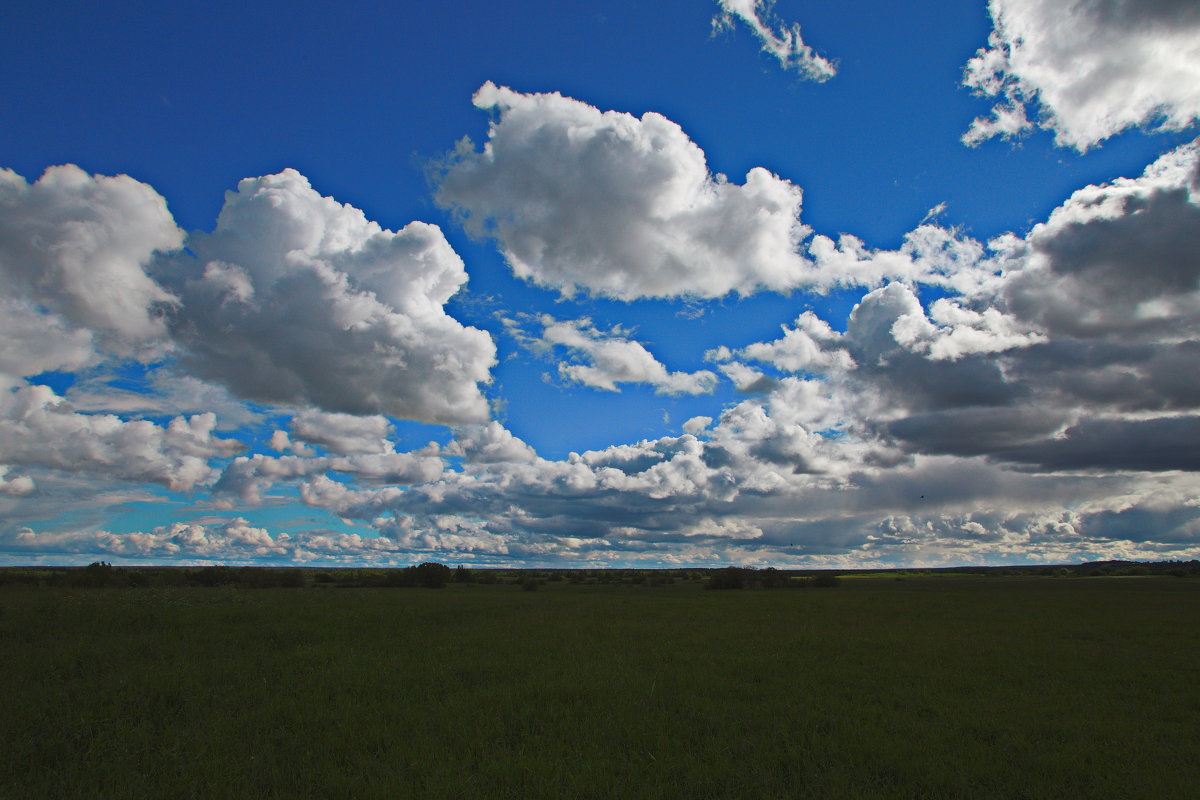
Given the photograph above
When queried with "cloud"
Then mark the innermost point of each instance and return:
(1058, 376)
(343, 433)
(781, 41)
(491, 443)
(162, 392)
(297, 299)
(1092, 69)
(14, 485)
(230, 540)
(39, 429)
(73, 249)
(1068, 356)
(614, 205)
(246, 478)
(33, 342)
(766, 486)
(1118, 259)
(618, 205)
(610, 358)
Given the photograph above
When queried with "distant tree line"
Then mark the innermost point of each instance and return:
(434, 575)
(769, 578)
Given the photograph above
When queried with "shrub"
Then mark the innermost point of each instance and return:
(216, 575)
(530, 584)
(826, 580)
(728, 578)
(463, 575)
(772, 578)
(96, 575)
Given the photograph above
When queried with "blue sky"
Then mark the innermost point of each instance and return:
(584, 285)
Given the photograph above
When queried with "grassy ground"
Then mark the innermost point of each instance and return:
(922, 688)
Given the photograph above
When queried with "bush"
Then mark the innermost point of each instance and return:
(216, 575)
(96, 575)
(463, 575)
(826, 580)
(530, 584)
(728, 578)
(772, 578)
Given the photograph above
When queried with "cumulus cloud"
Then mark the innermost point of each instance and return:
(930, 254)
(298, 299)
(1091, 69)
(618, 205)
(33, 342)
(343, 433)
(246, 478)
(781, 41)
(766, 484)
(1118, 259)
(1060, 375)
(39, 429)
(161, 392)
(491, 443)
(73, 248)
(228, 540)
(611, 358)
(1068, 357)
(14, 484)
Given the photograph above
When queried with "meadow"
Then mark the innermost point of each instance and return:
(926, 687)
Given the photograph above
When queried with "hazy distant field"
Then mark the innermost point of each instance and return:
(927, 687)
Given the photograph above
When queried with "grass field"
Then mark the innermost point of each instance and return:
(922, 688)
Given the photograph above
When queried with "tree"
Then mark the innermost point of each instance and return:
(728, 578)
(432, 575)
(772, 578)
(96, 575)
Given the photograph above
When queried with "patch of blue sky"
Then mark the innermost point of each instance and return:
(60, 382)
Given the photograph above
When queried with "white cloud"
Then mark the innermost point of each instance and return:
(76, 246)
(936, 432)
(246, 478)
(39, 429)
(617, 205)
(781, 41)
(32, 341)
(297, 299)
(929, 254)
(491, 443)
(1092, 69)
(951, 331)
(162, 392)
(610, 358)
(343, 433)
(804, 348)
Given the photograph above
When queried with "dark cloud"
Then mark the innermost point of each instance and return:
(1171, 443)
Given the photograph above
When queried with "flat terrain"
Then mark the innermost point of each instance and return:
(937, 687)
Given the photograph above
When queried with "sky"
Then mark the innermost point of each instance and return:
(631, 284)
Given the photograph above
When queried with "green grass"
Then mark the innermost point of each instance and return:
(921, 688)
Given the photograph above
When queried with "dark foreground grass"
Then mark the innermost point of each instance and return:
(932, 688)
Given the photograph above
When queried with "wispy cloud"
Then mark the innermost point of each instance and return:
(779, 39)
